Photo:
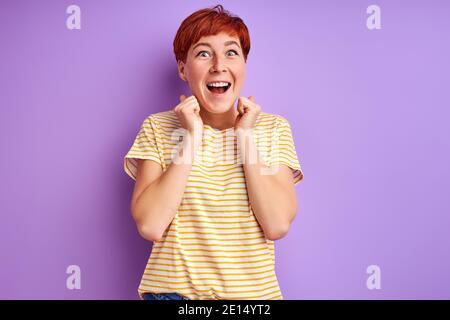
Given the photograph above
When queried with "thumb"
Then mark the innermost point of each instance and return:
(182, 98)
(240, 106)
(251, 98)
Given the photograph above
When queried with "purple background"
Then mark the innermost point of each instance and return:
(369, 111)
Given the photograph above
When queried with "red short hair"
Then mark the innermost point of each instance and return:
(207, 22)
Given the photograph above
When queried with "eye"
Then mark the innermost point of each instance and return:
(199, 54)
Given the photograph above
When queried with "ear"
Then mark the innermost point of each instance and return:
(181, 70)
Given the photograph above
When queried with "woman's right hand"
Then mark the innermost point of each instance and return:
(188, 113)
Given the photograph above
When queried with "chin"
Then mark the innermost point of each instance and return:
(221, 108)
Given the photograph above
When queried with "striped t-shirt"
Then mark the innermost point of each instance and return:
(214, 247)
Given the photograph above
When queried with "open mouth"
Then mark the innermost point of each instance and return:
(218, 88)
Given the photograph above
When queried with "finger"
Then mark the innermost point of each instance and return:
(184, 101)
(245, 104)
(197, 108)
(191, 99)
(189, 106)
(240, 106)
(250, 104)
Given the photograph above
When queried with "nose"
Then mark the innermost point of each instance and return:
(218, 64)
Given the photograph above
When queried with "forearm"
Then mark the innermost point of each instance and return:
(272, 206)
(157, 205)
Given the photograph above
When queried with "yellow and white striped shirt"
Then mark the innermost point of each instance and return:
(214, 247)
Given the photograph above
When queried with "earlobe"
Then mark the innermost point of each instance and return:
(181, 75)
(181, 71)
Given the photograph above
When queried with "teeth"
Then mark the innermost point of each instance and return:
(218, 84)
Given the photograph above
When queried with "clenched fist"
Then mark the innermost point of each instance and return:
(248, 113)
(188, 113)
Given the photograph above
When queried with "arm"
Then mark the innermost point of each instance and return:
(272, 196)
(155, 204)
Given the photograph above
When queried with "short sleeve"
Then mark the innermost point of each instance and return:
(146, 145)
(285, 152)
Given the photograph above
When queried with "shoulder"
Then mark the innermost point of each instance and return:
(163, 119)
(270, 119)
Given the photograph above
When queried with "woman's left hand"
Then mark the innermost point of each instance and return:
(248, 113)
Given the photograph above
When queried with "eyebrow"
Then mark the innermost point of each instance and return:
(227, 43)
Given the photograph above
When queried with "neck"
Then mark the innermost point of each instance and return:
(219, 121)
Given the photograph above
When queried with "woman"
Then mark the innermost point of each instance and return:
(199, 166)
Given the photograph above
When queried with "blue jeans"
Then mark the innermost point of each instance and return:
(163, 296)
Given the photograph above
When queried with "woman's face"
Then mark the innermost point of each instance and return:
(211, 59)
